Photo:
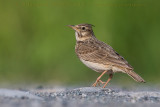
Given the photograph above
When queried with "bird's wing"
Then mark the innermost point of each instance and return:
(101, 53)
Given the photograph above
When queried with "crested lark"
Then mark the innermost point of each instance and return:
(99, 56)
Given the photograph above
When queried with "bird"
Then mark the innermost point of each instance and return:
(100, 56)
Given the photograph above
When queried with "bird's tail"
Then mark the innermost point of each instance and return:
(135, 76)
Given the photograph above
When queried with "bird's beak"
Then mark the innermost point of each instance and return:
(73, 27)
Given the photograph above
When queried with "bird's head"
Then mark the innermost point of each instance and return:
(82, 31)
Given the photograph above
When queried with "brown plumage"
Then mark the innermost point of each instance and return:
(100, 56)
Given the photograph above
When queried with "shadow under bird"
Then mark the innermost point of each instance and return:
(99, 56)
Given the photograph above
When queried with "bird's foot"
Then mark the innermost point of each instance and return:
(99, 82)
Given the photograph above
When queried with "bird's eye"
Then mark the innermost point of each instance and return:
(83, 28)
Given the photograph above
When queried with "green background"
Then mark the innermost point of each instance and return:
(36, 46)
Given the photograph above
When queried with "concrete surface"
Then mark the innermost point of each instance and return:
(78, 97)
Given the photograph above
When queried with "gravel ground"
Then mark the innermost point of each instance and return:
(78, 97)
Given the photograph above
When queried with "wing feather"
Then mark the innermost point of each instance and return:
(100, 52)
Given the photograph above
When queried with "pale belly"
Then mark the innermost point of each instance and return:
(101, 67)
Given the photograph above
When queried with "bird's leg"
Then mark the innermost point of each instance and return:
(110, 77)
(98, 79)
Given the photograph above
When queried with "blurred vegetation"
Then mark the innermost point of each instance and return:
(36, 46)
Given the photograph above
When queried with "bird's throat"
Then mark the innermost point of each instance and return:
(79, 37)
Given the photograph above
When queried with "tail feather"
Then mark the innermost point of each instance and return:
(135, 76)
